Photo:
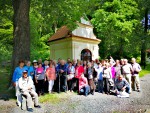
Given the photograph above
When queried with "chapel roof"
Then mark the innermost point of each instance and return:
(61, 33)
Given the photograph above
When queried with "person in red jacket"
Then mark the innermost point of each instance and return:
(78, 71)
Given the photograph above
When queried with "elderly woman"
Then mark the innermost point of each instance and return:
(106, 76)
(40, 78)
(79, 70)
(51, 76)
(70, 76)
(90, 78)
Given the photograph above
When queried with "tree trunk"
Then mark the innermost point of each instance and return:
(21, 32)
(143, 48)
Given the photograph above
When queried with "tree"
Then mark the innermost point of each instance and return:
(21, 31)
(115, 22)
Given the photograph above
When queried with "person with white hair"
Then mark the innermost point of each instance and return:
(62, 73)
(135, 75)
(90, 78)
(127, 72)
(26, 88)
(106, 77)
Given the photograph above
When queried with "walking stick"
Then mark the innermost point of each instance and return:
(58, 82)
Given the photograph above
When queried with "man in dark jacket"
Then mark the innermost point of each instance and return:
(62, 73)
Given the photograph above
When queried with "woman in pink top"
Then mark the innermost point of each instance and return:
(83, 85)
(51, 76)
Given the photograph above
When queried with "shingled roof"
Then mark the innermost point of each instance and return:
(61, 33)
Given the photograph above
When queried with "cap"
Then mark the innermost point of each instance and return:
(25, 71)
(34, 61)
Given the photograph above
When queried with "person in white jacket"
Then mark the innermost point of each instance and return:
(26, 89)
(135, 75)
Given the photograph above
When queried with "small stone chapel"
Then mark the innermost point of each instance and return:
(80, 43)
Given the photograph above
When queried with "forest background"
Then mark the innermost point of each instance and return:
(122, 26)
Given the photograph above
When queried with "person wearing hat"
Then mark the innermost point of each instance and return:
(26, 89)
(16, 75)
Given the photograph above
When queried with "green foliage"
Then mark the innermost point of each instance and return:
(6, 31)
(114, 24)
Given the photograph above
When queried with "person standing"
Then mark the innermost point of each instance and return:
(106, 76)
(62, 73)
(117, 68)
(29, 69)
(40, 78)
(135, 75)
(16, 75)
(51, 76)
(70, 76)
(99, 71)
(127, 72)
(78, 71)
(26, 89)
(90, 78)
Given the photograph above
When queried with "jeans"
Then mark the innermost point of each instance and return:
(85, 90)
(100, 86)
(127, 89)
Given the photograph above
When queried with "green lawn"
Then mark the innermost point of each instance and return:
(145, 71)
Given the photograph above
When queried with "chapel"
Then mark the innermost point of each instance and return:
(80, 43)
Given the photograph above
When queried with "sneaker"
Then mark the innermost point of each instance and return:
(30, 109)
(38, 106)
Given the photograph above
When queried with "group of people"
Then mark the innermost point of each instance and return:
(85, 77)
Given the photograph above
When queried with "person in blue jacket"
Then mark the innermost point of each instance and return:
(29, 69)
(16, 75)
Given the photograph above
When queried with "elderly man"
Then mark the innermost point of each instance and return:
(121, 85)
(62, 71)
(127, 72)
(26, 89)
(135, 75)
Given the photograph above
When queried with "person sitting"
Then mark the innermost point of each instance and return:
(83, 85)
(26, 89)
(121, 85)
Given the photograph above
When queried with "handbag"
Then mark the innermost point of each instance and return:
(70, 76)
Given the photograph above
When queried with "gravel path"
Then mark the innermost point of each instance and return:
(99, 103)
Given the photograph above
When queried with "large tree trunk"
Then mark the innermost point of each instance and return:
(143, 48)
(21, 33)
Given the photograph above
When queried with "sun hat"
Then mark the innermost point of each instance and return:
(34, 61)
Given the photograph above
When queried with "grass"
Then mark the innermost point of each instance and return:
(52, 98)
(145, 71)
